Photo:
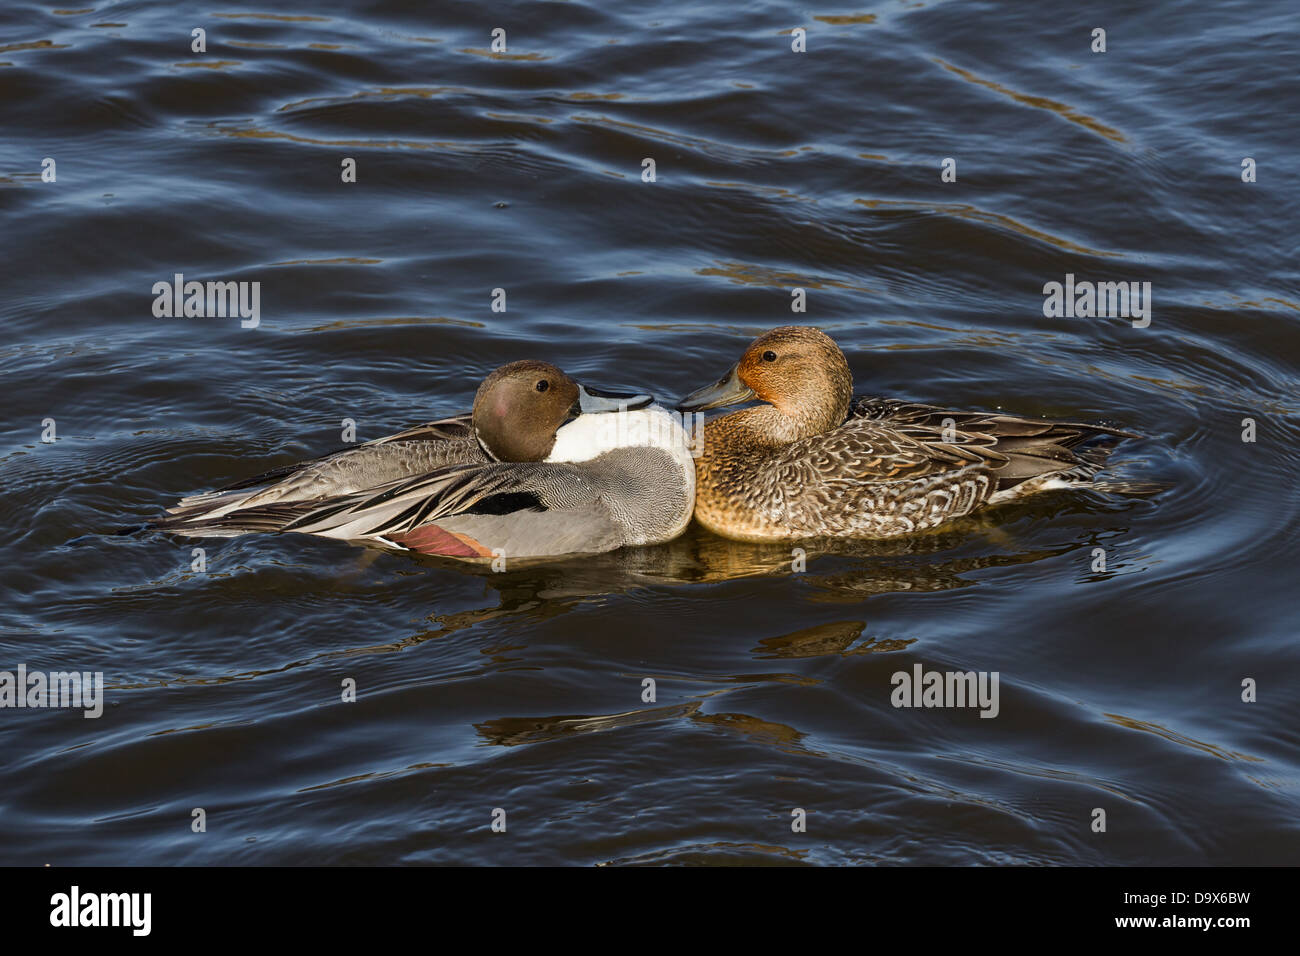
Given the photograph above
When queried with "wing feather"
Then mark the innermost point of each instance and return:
(452, 490)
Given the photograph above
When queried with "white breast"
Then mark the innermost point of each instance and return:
(590, 435)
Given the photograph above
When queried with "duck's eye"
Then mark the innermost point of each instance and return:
(769, 356)
(543, 385)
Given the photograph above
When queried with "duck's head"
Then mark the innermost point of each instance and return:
(797, 369)
(519, 408)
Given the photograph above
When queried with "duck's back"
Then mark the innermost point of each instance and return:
(416, 451)
(891, 468)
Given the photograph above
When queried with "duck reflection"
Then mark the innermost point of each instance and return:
(938, 561)
(515, 731)
(832, 571)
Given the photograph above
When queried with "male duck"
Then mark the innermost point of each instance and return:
(813, 462)
(514, 478)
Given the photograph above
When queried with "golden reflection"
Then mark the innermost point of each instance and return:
(745, 273)
(513, 731)
(516, 731)
(519, 117)
(374, 775)
(270, 16)
(761, 731)
(1196, 388)
(1132, 723)
(989, 338)
(1038, 102)
(1256, 304)
(502, 56)
(963, 211)
(363, 143)
(396, 321)
(384, 92)
(851, 18)
(210, 65)
(33, 45)
(825, 640)
(688, 142)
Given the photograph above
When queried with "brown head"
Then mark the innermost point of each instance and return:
(519, 408)
(796, 369)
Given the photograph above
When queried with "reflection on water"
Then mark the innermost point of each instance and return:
(1039, 102)
(512, 731)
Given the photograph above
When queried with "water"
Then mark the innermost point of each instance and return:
(1120, 689)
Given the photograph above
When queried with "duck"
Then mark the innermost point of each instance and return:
(814, 461)
(540, 466)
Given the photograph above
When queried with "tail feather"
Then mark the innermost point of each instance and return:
(262, 518)
(1024, 454)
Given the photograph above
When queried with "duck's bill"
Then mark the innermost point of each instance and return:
(730, 391)
(594, 400)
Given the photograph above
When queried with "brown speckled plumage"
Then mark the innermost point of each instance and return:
(812, 462)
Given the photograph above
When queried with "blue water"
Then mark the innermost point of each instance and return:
(1121, 689)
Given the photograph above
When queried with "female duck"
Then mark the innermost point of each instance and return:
(516, 477)
(811, 462)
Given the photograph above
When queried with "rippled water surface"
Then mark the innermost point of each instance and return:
(1120, 688)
